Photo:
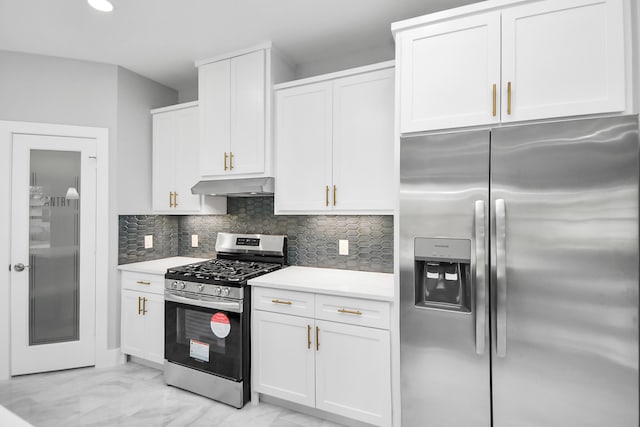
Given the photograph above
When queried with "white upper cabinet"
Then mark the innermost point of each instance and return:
(335, 143)
(247, 136)
(304, 152)
(563, 58)
(235, 111)
(175, 151)
(363, 142)
(449, 72)
(214, 91)
(532, 60)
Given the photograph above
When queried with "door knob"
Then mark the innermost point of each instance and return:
(20, 266)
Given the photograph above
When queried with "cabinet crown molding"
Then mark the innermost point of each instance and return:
(261, 46)
(457, 12)
(175, 107)
(337, 74)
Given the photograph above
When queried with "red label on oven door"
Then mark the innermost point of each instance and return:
(220, 325)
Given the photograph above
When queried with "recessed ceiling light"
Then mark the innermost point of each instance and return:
(101, 5)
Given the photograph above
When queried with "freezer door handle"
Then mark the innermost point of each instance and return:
(501, 279)
(481, 277)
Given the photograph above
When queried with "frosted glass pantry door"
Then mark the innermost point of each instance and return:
(53, 253)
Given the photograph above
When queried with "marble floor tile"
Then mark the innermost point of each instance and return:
(131, 395)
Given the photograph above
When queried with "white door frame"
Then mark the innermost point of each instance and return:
(101, 135)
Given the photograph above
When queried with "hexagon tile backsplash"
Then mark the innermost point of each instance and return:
(312, 239)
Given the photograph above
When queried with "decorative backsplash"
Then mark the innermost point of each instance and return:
(133, 228)
(312, 239)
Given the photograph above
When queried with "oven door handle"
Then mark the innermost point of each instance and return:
(232, 306)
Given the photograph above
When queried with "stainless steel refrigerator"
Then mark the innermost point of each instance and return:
(519, 276)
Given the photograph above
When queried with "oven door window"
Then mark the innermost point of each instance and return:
(203, 338)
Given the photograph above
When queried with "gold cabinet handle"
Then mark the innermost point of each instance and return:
(225, 160)
(509, 98)
(344, 310)
(170, 199)
(277, 301)
(139, 305)
(495, 94)
(230, 160)
(326, 195)
(317, 338)
(335, 194)
(175, 200)
(144, 306)
(309, 337)
(143, 282)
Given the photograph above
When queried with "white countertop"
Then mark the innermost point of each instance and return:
(158, 266)
(330, 281)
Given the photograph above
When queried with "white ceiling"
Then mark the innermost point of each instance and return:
(161, 39)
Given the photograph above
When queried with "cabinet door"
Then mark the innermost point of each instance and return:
(303, 139)
(164, 135)
(154, 327)
(214, 101)
(448, 73)
(353, 372)
(363, 142)
(247, 113)
(283, 354)
(186, 156)
(132, 328)
(563, 58)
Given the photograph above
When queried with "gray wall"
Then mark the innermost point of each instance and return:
(355, 59)
(188, 94)
(36, 88)
(136, 95)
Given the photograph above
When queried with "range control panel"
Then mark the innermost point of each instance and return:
(246, 241)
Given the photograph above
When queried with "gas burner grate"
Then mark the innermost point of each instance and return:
(222, 270)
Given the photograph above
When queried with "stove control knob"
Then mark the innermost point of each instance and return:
(200, 288)
(217, 291)
(174, 285)
(225, 292)
(181, 285)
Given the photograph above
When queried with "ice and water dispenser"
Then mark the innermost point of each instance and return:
(443, 273)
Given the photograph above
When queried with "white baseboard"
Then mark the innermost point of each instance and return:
(110, 357)
(147, 363)
(310, 411)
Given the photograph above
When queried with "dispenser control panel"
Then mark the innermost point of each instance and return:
(454, 250)
(443, 273)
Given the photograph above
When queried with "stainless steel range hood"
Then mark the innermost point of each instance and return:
(240, 187)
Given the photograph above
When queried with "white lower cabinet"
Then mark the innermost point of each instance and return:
(142, 329)
(340, 366)
(353, 372)
(284, 357)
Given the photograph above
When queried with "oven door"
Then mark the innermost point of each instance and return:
(205, 334)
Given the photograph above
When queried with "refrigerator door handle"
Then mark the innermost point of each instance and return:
(481, 277)
(501, 279)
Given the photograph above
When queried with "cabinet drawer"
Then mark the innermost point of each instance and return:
(143, 282)
(354, 311)
(283, 301)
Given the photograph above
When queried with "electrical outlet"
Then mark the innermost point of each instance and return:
(194, 240)
(343, 247)
(148, 241)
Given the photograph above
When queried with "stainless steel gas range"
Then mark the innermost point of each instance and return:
(207, 316)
